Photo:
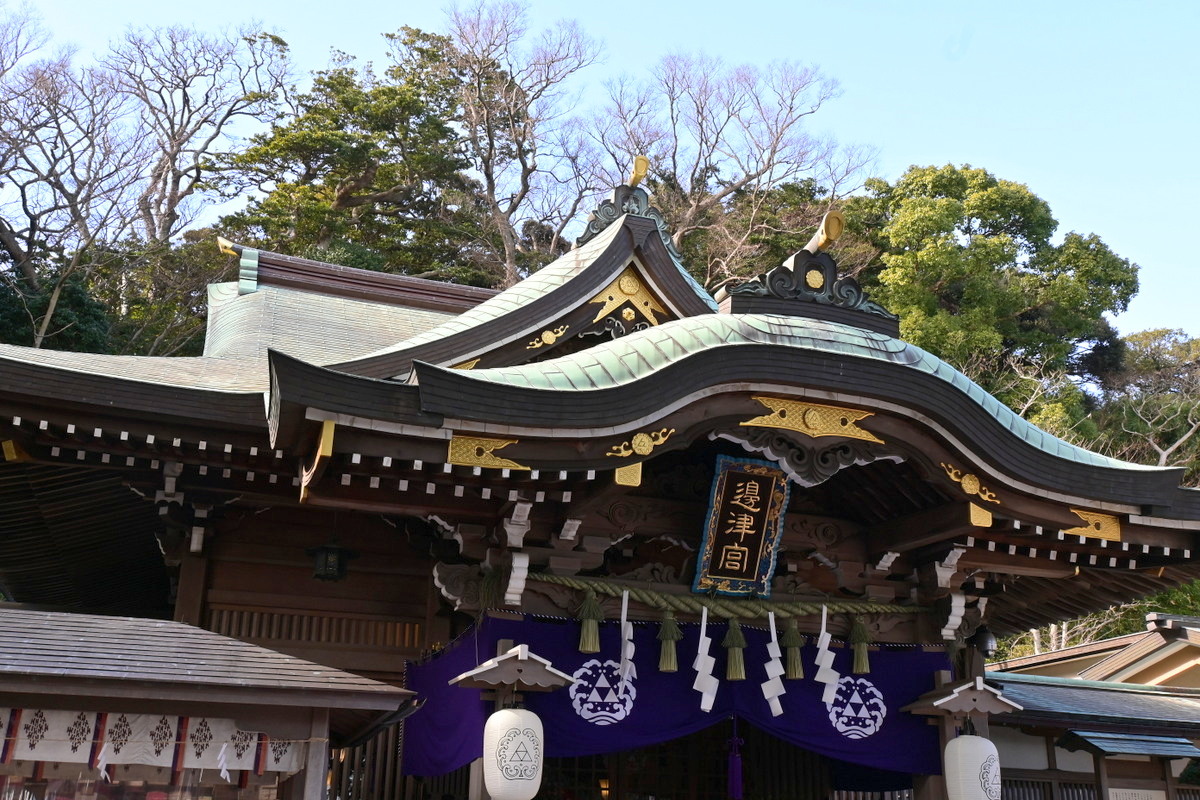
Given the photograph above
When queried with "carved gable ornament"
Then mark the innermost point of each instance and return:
(807, 285)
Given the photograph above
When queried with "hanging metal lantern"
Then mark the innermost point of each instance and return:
(972, 768)
(329, 561)
(512, 754)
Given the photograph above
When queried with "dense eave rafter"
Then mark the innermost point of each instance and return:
(51, 392)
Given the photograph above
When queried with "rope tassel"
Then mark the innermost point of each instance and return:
(735, 645)
(668, 634)
(792, 641)
(491, 588)
(589, 615)
(860, 637)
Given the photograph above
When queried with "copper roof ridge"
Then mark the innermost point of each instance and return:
(1080, 683)
(321, 277)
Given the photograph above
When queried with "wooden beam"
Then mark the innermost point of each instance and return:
(922, 529)
(991, 561)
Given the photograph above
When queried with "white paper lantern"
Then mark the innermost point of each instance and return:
(512, 754)
(972, 768)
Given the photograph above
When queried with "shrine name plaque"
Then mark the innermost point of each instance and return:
(745, 523)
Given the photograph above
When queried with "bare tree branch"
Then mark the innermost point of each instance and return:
(514, 111)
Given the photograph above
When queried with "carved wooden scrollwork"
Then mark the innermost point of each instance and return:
(459, 584)
(805, 464)
(812, 277)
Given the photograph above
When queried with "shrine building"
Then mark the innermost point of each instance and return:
(754, 545)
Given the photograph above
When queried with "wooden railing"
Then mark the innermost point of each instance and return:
(1035, 789)
(371, 771)
(317, 627)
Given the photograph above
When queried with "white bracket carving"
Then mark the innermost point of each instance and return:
(958, 607)
(168, 494)
(516, 579)
(517, 524)
(569, 529)
(946, 568)
(885, 563)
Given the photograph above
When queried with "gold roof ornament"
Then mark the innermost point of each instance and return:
(830, 230)
(641, 167)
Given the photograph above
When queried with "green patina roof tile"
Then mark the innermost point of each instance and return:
(637, 363)
(619, 372)
(518, 378)
(653, 352)
(573, 372)
(558, 380)
(598, 375)
(643, 352)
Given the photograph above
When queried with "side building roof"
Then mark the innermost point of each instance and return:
(49, 647)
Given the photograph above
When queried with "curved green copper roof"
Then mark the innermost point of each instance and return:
(630, 358)
(540, 283)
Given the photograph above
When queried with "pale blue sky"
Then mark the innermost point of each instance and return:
(1094, 105)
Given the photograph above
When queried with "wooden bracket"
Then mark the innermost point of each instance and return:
(312, 473)
(569, 529)
(924, 528)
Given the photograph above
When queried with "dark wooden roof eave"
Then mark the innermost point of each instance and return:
(641, 238)
(93, 656)
(117, 689)
(297, 386)
(1098, 706)
(460, 395)
(41, 387)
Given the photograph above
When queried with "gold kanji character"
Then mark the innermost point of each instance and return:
(745, 495)
(740, 525)
(733, 557)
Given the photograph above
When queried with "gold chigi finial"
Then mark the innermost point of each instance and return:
(832, 225)
(226, 246)
(641, 166)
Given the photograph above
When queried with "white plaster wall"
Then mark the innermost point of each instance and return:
(1079, 761)
(1019, 750)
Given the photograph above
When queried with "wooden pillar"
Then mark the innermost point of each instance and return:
(1169, 779)
(316, 764)
(1101, 767)
(1052, 766)
(193, 581)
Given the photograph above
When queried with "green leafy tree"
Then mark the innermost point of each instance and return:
(1149, 411)
(966, 260)
(364, 168)
(157, 294)
(82, 323)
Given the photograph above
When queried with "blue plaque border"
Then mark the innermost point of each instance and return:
(760, 586)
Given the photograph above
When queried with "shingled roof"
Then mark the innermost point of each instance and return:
(47, 648)
(1099, 705)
